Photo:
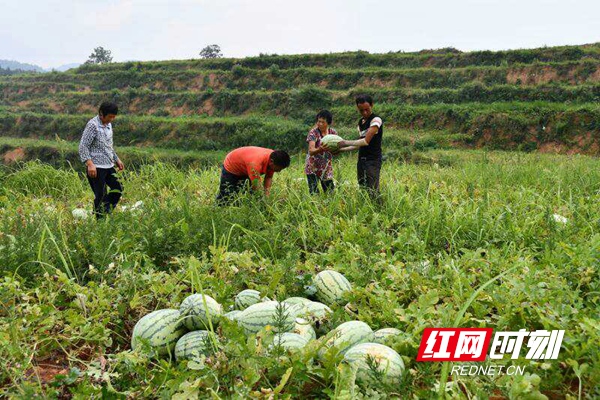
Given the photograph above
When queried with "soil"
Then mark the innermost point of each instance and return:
(46, 372)
(531, 76)
(14, 156)
(208, 107)
(595, 77)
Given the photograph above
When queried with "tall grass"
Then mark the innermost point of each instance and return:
(473, 220)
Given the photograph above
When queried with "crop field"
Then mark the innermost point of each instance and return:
(73, 289)
(489, 218)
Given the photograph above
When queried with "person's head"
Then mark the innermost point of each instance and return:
(108, 112)
(279, 160)
(364, 103)
(324, 119)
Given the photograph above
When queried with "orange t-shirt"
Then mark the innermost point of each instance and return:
(249, 161)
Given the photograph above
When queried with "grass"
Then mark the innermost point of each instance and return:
(474, 218)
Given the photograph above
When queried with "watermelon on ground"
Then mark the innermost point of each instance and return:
(258, 316)
(331, 287)
(161, 328)
(386, 361)
(347, 335)
(197, 309)
(193, 344)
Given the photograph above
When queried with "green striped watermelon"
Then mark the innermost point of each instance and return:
(232, 315)
(382, 335)
(197, 314)
(161, 328)
(331, 141)
(347, 335)
(296, 300)
(258, 316)
(248, 297)
(290, 341)
(331, 287)
(192, 345)
(303, 328)
(388, 362)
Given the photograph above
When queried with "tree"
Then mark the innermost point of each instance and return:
(211, 51)
(99, 56)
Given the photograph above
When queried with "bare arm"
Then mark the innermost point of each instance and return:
(361, 142)
(349, 148)
(267, 184)
(312, 148)
(254, 176)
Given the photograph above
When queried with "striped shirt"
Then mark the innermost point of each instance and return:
(97, 144)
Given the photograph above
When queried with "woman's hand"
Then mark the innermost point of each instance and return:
(91, 169)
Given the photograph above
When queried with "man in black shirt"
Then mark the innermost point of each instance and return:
(370, 129)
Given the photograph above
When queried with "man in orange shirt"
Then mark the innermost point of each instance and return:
(247, 164)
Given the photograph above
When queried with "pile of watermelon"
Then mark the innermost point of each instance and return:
(188, 332)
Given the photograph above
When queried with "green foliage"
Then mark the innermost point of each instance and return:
(472, 220)
(211, 51)
(100, 55)
(450, 221)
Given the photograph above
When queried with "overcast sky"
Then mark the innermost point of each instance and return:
(55, 32)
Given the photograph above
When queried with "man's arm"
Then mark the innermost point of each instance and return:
(267, 184)
(254, 176)
(349, 148)
(372, 131)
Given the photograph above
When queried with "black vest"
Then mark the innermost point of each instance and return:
(373, 150)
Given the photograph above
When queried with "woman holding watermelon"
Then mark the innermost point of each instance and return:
(318, 166)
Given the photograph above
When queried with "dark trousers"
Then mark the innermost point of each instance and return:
(368, 172)
(229, 186)
(105, 202)
(313, 184)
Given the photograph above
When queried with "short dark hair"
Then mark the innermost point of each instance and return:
(326, 115)
(364, 98)
(280, 158)
(108, 107)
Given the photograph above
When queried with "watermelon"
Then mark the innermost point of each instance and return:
(296, 300)
(248, 297)
(197, 314)
(313, 311)
(290, 341)
(388, 362)
(161, 328)
(192, 345)
(258, 316)
(382, 335)
(347, 335)
(331, 141)
(80, 213)
(303, 328)
(331, 287)
(232, 315)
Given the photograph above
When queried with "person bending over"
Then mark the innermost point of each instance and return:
(244, 166)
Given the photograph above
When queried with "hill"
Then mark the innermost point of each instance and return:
(537, 99)
(15, 65)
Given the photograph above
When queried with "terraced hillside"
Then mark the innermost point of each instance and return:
(542, 99)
